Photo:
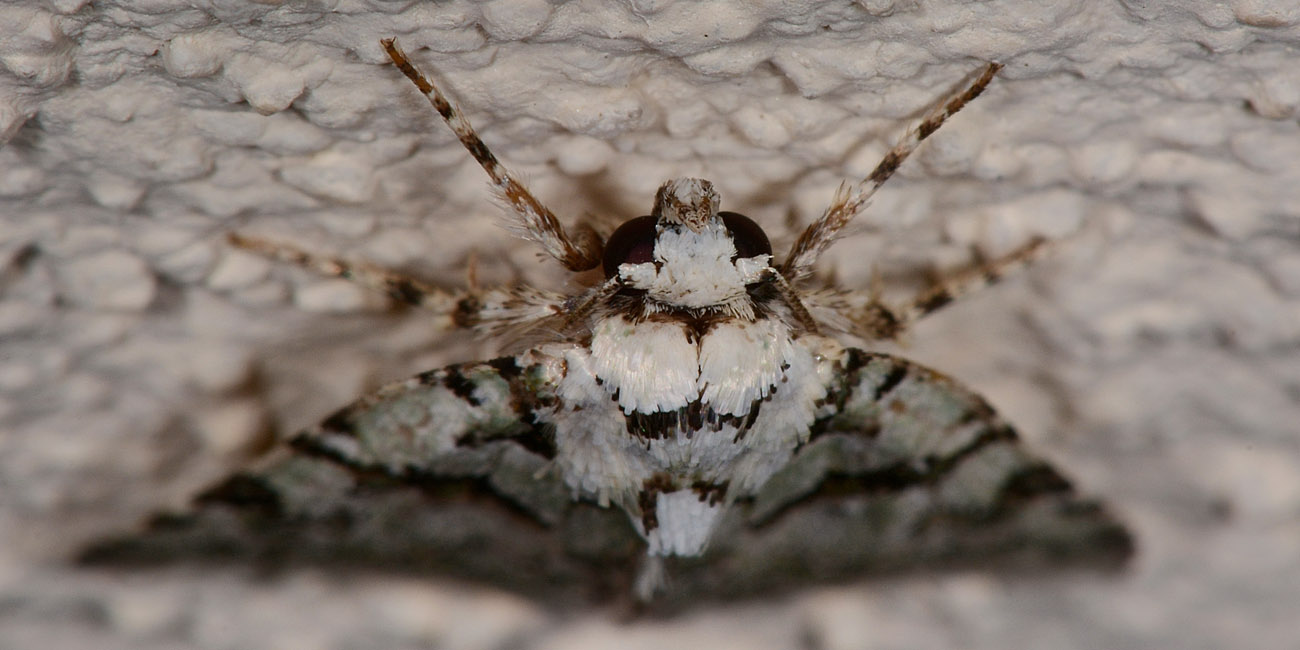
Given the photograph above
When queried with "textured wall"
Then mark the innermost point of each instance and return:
(1155, 355)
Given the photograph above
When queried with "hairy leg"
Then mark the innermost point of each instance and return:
(864, 314)
(487, 309)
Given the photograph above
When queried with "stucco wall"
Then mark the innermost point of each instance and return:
(1154, 355)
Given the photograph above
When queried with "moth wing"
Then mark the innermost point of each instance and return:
(906, 470)
(445, 473)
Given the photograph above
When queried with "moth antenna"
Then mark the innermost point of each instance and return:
(578, 251)
(850, 201)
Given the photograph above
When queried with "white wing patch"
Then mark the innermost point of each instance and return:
(742, 362)
(594, 454)
(651, 366)
(654, 367)
(784, 421)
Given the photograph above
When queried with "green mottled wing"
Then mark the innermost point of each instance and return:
(910, 470)
(444, 473)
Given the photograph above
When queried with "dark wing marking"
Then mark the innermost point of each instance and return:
(445, 474)
(907, 469)
(911, 470)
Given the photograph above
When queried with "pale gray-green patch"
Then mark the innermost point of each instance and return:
(852, 502)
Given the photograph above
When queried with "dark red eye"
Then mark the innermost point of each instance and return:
(749, 238)
(632, 243)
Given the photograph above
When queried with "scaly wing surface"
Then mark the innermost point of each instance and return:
(906, 470)
(445, 473)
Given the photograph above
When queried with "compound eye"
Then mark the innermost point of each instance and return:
(748, 236)
(632, 243)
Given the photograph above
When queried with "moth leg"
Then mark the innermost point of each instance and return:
(952, 286)
(850, 201)
(866, 315)
(399, 287)
(792, 300)
(858, 313)
(577, 251)
(490, 310)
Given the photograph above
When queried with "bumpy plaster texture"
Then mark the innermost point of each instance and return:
(1155, 355)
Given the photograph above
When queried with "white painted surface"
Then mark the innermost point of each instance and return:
(1155, 356)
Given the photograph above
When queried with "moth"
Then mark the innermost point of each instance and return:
(689, 427)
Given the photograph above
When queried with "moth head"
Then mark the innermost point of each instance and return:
(689, 202)
(687, 253)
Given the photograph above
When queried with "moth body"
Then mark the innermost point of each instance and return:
(673, 429)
